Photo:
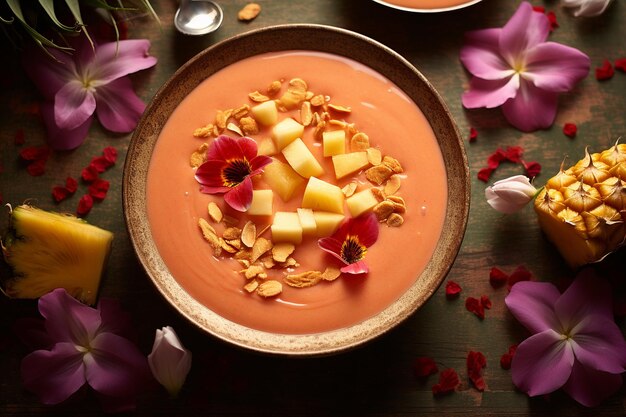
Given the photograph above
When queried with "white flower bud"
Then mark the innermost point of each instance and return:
(169, 361)
(510, 194)
(587, 8)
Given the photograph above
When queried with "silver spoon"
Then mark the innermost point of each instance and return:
(198, 17)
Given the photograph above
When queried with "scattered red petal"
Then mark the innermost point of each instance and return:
(20, 138)
(60, 193)
(425, 366)
(570, 129)
(485, 301)
(532, 169)
(100, 163)
(484, 174)
(493, 161)
(98, 189)
(110, 154)
(604, 72)
(473, 135)
(37, 168)
(452, 289)
(474, 305)
(448, 381)
(84, 205)
(33, 153)
(539, 9)
(476, 361)
(514, 154)
(497, 277)
(89, 174)
(553, 22)
(620, 64)
(507, 358)
(71, 184)
(520, 274)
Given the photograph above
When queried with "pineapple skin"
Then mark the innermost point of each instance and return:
(582, 209)
(49, 250)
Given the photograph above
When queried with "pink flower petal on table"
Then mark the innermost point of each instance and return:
(67, 319)
(118, 59)
(490, 93)
(555, 67)
(119, 108)
(542, 363)
(481, 55)
(599, 344)
(62, 139)
(523, 31)
(531, 109)
(115, 319)
(587, 295)
(590, 387)
(532, 305)
(240, 196)
(54, 375)
(359, 267)
(48, 75)
(73, 105)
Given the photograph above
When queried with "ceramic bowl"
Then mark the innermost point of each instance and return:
(282, 38)
(418, 6)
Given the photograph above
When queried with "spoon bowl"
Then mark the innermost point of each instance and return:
(198, 17)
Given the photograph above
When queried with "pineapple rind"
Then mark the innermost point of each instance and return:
(51, 250)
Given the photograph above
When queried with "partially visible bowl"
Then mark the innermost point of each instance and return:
(286, 38)
(427, 6)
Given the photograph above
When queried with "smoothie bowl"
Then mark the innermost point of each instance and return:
(427, 6)
(297, 189)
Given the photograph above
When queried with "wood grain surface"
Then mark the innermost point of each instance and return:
(376, 379)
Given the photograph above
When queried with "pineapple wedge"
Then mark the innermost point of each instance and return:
(50, 250)
(582, 209)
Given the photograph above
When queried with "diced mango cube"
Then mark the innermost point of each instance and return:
(281, 178)
(361, 202)
(321, 195)
(307, 221)
(265, 113)
(285, 132)
(302, 160)
(334, 142)
(286, 227)
(327, 223)
(262, 203)
(349, 163)
(267, 147)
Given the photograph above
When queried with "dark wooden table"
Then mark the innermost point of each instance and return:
(376, 379)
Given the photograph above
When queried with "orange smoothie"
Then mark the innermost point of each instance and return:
(380, 109)
(428, 4)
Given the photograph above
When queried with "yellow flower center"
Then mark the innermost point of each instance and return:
(235, 172)
(352, 251)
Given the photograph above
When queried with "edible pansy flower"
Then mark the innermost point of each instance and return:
(575, 343)
(169, 361)
(587, 8)
(81, 345)
(92, 79)
(514, 67)
(229, 168)
(510, 194)
(350, 242)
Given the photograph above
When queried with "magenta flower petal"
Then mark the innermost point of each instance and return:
(258, 163)
(73, 105)
(525, 30)
(210, 173)
(240, 196)
(555, 67)
(48, 75)
(490, 93)
(599, 344)
(332, 246)
(359, 267)
(67, 319)
(115, 319)
(590, 387)
(248, 148)
(531, 109)
(54, 375)
(119, 108)
(118, 59)
(224, 148)
(587, 295)
(481, 55)
(366, 227)
(532, 304)
(542, 363)
(62, 139)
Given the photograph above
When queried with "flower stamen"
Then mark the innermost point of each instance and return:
(352, 251)
(235, 172)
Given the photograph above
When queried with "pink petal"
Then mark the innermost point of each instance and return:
(115, 319)
(54, 375)
(542, 363)
(240, 196)
(119, 108)
(359, 267)
(532, 304)
(587, 295)
(224, 148)
(48, 75)
(248, 147)
(73, 105)
(599, 344)
(210, 173)
(60, 139)
(555, 67)
(481, 55)
(523, 31)
(490, 93)
(531, 109)
(590, 387)
(67, 319)
(258, 162)
(117, 59)
(331, 245)
(366, 228)
(207, 189)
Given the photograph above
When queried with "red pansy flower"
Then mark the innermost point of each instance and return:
(350, 242)
(228, 170)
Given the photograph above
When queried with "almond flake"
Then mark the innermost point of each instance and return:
(360, 142)
(281, 251)
(309, 95)
(222, 117)
(244, 262)
(338, 123)
(249, 126)
(206, 227)
(393, 184)
(306, 115)
(242, 111)
(198, 157)
(398, 203)
(268, 262)
(249, 12)
(232, 233)
(331, 273)
(374, 156)
(295, 94)
(259, 248)
(251, 286)
(395, 220)
(234, 128)
(206, 131)
(258, 97)
(290, 262)
(253, 271)
(209, 235)
(378, 174)
(340, 109)
(349, 189)
(383, 210)
(318, 100)
(226, 247)
(393, 164)
(378, 193)
(319, 130)
(274, 88)
(269, 288)
(304, 279)
(235, 243)
(248, 234)
(215, 213)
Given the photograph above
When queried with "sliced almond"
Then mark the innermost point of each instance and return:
(244, 262)
(249, 12)
(221, 118)
(395, 220)
(206, 131)
(374, 156)
(306, 114)
(258, 97)
(227, 247)
(268, 262)
(269, 288)
(393, 164)
(359, 142)
(340, 109)
(338, 123)
(349, 188)
(318, 100)
(378, 174)
(378, 193)
(273, 88)
(252, 271)
(231, 233)
(393, 184)
(290, 262)
(383, 210)
(210, 236)
(309, 95)
(398, 203)
(198, 157)
(281, 251)
(295, 94)
(249, 126)
(331, 273)
(234, 128)
(215, 213)
(242, 111)
(319, 130)
(235, 243)
(248, 234)
(251, 286)
(304, 279)
(260, 247)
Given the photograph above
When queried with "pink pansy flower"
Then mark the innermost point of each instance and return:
(90, 80)
(169, 361)
(575, 343)
(350, 242)
(587, 8)
(82, 345)
(514, 67)
(230, 165)
(510, 194)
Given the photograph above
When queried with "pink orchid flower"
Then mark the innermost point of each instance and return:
(575, 343)
(230, 165)
(514, 67)
(83, 345)
(350, 242)
(90, 80)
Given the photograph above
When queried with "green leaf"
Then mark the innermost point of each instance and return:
(150, 9)
(48, 6)
(74, 7)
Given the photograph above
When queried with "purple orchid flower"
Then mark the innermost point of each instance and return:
(80, 344)
(92, 79)
(514, 67)
(575, 343)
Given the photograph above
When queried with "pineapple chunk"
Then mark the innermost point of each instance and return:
(49, 250)
(361, 202)
(334, 142)
(281, 178)
(262, 203)
(265, 113)
(327, 223)
(307, 221)
(302, 160)
(267, 147)
(285, 132)
(286, 227)
(320, 195)
(349, 163)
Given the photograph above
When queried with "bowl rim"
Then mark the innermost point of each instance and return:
(420, 10)
(135, 173)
